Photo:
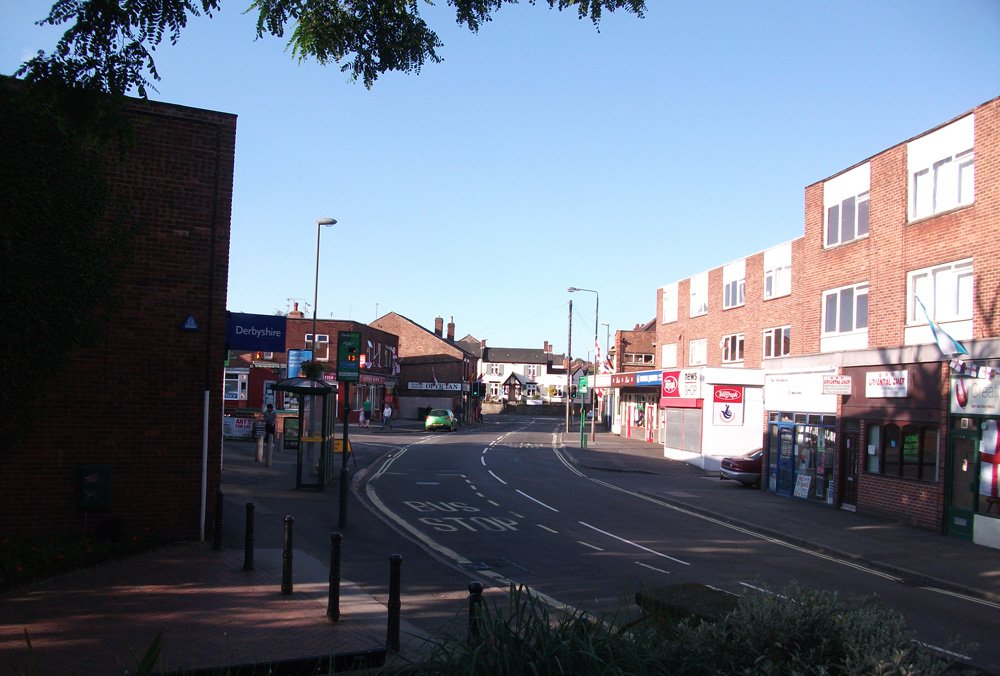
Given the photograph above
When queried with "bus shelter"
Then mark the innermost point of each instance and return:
(317, 417)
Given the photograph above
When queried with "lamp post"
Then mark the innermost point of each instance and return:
(319, 223)
(607, 356)
(597, 305)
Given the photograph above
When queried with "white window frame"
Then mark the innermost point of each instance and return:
(668, 356)
(495, 369)
(639, 358)
(698, 352)
(531, 390)
(699, 295)
(945, 290)
(320, 353)
(669, 303)
(236, 386)
(732, 348)
(778, 271)
(853, 293)
(942, 169)
(776, 342)
(734, 284)
(531, 370)
(847, 193)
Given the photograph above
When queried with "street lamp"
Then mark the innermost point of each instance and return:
(597, 305)
(607, 358)
(319, 223)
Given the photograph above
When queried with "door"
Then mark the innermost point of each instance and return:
(786, 460)
(849, 471)
(962, 487)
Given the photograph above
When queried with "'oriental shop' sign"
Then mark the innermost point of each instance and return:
(882, 384)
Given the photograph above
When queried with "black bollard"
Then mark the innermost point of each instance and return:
(286, 558)
(333, 601)
(475, 609)
(392, 634)
(248, 540)
(217, 543)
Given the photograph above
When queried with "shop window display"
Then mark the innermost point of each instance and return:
(910, 451)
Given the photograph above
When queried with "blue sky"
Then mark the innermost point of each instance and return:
(544, 154)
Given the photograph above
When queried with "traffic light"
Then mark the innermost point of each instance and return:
(476, 391)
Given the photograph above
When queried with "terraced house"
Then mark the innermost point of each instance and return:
(864, 355)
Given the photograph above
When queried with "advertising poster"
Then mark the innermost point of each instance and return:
(727, 405)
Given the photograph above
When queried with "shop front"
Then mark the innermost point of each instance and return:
(801, 435)
(890, 451)
(972, 465)
(637, 397)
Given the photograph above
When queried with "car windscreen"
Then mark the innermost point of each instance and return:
(438, 413)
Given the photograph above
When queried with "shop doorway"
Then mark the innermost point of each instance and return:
(962, 487)
(781, 459)
(849, 469)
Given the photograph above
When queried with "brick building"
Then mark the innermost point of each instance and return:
(828, 342)
(127, 438)
(435, 369)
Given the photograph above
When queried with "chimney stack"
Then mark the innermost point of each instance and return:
(482, 344)
(451, 329)
(547, 348)
(295, 314)
(438, 326)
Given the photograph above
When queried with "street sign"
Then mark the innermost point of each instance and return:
(581, 387)
(348, 356)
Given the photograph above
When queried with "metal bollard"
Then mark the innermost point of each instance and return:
(248, 539)
(269, 450)
(392, 633)
(475, 609)
(286, 558)
(217, 541)
(333, 600)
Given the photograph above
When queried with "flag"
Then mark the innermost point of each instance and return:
(945, 342)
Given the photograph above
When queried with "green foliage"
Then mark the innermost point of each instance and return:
(56, 262)
(796, 632)
(29, 559)
(108, 45)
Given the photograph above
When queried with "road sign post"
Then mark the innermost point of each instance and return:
(348, 371)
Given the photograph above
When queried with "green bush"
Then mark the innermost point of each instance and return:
(795, 632)
(29, 559)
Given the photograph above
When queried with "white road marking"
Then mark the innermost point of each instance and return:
(496, 477)
(658, 570)
(494, 503)
(634, 544)
(518, 490)
(984, 602)
(546, 528)
(587, 544)
(936, 649)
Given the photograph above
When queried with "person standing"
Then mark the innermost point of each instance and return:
(387, 416)
(366, 412)
(270, 424)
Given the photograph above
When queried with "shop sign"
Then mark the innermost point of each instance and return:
(797, 392)
(449, 387)
(727, 405)
(975, 396)
(886, 384)
(371, 378)
(837, 385)
(670, 384)
(255, 332)
(622, 379)
(647, 378)
(690, 384)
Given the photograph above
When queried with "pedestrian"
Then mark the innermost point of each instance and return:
(366, 412)
(387, 416)
(270, 424)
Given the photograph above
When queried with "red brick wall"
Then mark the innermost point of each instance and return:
(135, 403)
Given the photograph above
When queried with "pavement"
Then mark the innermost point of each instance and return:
(213, 613)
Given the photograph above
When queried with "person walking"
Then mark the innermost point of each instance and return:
(387, 416)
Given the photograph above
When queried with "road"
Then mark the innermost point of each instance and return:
(503, 504)
(506, 505)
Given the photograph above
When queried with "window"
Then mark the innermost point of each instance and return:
(668, 356)
(941, 167)
(777, 342)
(945, 290)
(734, 284)
(697, 352)
(235, 386)
(321, 351)
(531, 371)
(732, 348)
(495, 390)
(910, 451)
(845, 310)
(496, 369)
(778, 271)
(699, 295)
(639, 358)
(531, 389)
(670, 303)
(845, 199)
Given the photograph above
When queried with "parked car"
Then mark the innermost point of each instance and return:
(440, 418)
(744, 468)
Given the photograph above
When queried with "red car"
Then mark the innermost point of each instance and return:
(745, 468)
